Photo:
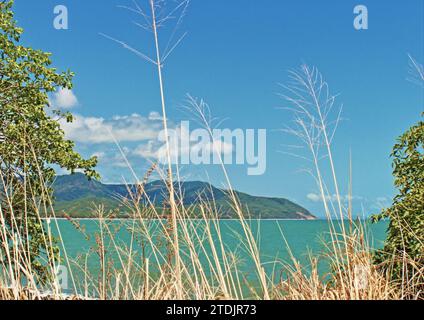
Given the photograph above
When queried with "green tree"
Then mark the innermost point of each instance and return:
(405, 239)
(31, 139)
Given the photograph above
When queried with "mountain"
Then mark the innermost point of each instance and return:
(76, 196)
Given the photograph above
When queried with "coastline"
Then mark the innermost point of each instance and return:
(194, 219)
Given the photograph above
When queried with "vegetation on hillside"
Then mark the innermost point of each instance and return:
(75, 196)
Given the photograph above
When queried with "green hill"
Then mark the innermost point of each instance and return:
(76, 196)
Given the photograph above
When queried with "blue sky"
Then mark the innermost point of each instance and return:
(234, 55)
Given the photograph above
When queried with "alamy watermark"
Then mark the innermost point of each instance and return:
(60, 21)
(361, 277)
(360, 21)
(216, 146)
(61, 276)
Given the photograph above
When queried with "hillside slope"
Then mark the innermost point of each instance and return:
(76, 196)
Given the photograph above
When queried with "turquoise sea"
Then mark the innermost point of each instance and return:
(302, 237)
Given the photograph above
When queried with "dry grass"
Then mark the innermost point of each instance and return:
(208, 269)
(182, 258)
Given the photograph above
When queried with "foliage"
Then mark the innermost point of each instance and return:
(405, 239)
(76, 196)
(31, 139)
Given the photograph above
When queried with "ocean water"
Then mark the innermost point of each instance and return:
(276, 239)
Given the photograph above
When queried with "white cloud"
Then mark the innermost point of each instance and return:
(155, 116)
(331, 198)
(156, 149)
(64, 99)
(100, 155)
(148, 150)
(147, 132)
(133, 128)
(382, 200)
(380, 203)
(118, 160)
(313, 197)
(111, 157)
